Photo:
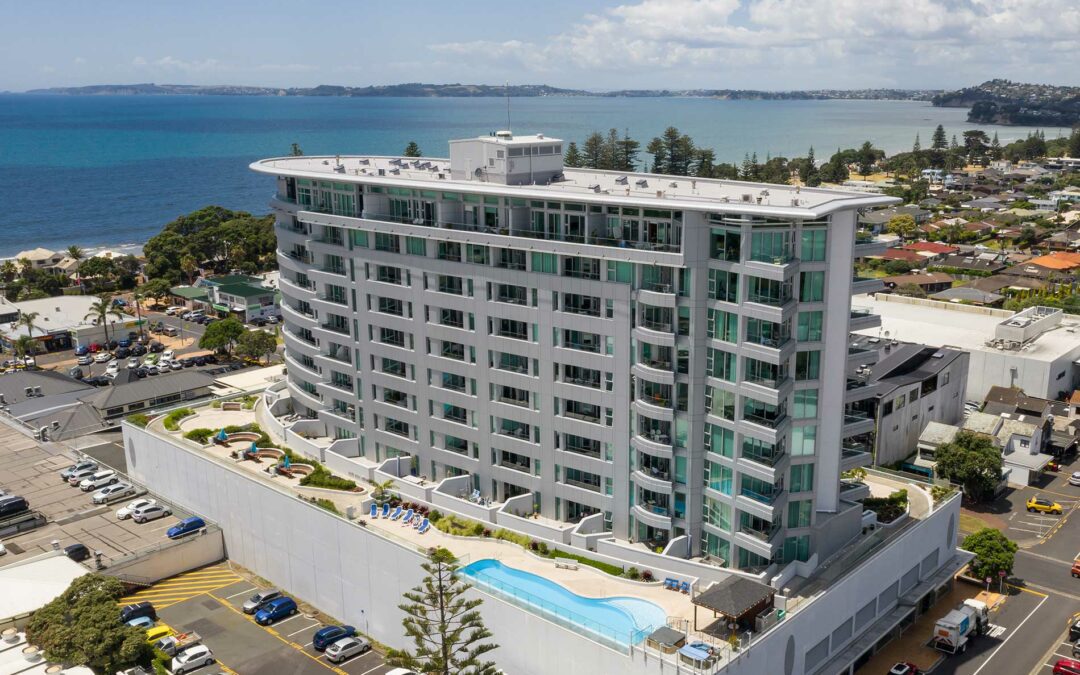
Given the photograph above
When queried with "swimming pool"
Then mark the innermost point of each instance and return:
(617, 621)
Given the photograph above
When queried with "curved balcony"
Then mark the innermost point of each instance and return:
(655, 337)
(294, 342)
(652, 372)
(287, 262)
(295, 317)
(300, 394)
(653, 410)
(650, 482)
(651, 447)
(650, 516)
(660, 295)
(292, 290)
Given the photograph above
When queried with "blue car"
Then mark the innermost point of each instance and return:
(186, 527)
(278, 608)
(124, 343)
(325, 637)
(141, 622)
(82, 350)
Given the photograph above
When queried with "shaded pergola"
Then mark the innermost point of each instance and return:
(735, 599)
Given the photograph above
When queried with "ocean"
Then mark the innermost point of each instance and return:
(109, 171)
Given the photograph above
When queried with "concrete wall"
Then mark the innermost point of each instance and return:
(178, 557)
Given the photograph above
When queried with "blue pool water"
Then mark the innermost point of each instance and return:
(620, 620)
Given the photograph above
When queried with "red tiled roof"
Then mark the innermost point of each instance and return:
(931, 247)
(1057, 261)
(902, 254)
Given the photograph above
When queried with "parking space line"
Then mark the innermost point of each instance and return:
(271, 631)
(366, 672)
(230, 597)
(304, 629)
(285, 621)
(1010, 636)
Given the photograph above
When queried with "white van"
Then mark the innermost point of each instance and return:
(171, 311)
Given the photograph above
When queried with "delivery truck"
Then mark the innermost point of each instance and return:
(952, 631)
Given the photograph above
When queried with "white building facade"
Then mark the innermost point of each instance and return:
(668, 352)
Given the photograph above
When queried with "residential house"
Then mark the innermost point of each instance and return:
(1048, 267)
(987, 262)
(929, 282)
(41, 258)
(970, 296)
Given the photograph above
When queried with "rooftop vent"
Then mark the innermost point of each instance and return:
(642, 183)
(748, 198)
(622, 180)
(504, 134)
(595, 187)
(673, 184)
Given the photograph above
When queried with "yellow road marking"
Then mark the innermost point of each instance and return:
(1028, 590)
(180, 587)
(273, 632)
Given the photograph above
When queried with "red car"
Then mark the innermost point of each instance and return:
(1067, 667)
(1053, 466)
(904, 668)
(94, 348)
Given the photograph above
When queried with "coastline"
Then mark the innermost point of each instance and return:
(88, 251)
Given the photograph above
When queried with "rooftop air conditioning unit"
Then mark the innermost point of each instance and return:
(28, 392)
(748, 198)
(382, 172)
(56, 425)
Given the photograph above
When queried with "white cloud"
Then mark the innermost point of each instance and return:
(78, 60)
(803, 43)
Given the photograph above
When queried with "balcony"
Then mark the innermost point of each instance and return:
(770, 341)
(396, 398)
(762, 498)
(583, 309)
(767, 459)
(858, 422)
(768, 421)
(300, 257)
(658, 326)
(851, 458)
(339, 270)
(782, 258)
(592, 383)
(588, 450)
(513, 334)
(336, 299)
(523, 467)
(336, 328)
(520, 433)
(654, 482)
(303, 338)
(585, 485)
(307, 286)
(764, 533)
(512, 298)
(582, 414)
(664, 286)
(591, 346)
(511, 400)
(656, 364)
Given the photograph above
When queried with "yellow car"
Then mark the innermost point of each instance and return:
(1043, 505)
(157, 632)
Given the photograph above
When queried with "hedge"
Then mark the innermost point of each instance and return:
(200, 436)
(139, 420)
(888, 508)
(172, 420)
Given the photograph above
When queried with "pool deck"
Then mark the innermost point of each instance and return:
(584, 581)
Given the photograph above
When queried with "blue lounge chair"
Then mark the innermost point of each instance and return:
(374, 511)
(396, 514)
(424, 526)
(671, 584)
(408, 517)
(685, 587)
(385, 510)
(417, 520)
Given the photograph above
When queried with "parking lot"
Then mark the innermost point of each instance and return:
(208, 601)
(32, 472)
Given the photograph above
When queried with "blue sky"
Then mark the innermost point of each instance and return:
(761, 44)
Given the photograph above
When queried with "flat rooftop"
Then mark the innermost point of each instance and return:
(956, 326)
(587, 185)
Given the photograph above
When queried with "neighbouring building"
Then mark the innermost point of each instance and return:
(62, 322)
(241, 296)
(1035, 350)
(897, 389)
(597, 340)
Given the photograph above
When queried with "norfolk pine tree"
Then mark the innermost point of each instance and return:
(445, 626)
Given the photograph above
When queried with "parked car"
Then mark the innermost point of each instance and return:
(113, 367)
(201, 361)
(904, 668)
(129, 612)
(156, 347)
(1076, 569)
(94, 347)
(98, 480)
(141, 622)
(152, 512)
(126, 342)
(1074, 631)
(171, 331)
(255, 602)
(82, 350)
(85, 360)
(272, 319)
(76, 477)
(176, 365)
(188, 362)
(170, 311)
(109, 492)
(133, 362)
(79, 466)
(140, 372)
(122, 352)
(103, 357)
(77, 552)
(168, 355)
(76, 372)
(402, 671)
(13, 505)
(1074, 479)
(346, 648)
(98, 381)
(112, 344)
(158, 632)
(1067, 667)
(138, 350)
(1043, 505)
(328, 635)
(258, 322)
(151, 359)
(191, 658)
(125, 512)
(186, 527)
(278, 608)
(184, 316)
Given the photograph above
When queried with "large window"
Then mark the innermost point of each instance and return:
(813, 245)
(802, 478)
(808, 365)
(717, 513)
(723, 285)
(723, 326)
(719, 440)
(725, 245)
(721, 364)
(771, 246)
(803, 440)
(718, 477)
(806, 402)
(809, 328)
(811, 286)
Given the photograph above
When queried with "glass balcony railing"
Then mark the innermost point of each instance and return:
(768, 459)
(764, 498)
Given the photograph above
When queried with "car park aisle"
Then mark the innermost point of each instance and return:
(185, 586)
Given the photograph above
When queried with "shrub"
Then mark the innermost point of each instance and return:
(487, 532)
(200, 436)
(476, 530)
(139, 420)
(215, 403)
(543, 548)
(434, 515)
(633, 573)
(328, 505)
(172, 420)
(322, 478)
(646, 575)
(888, 508)
(534, 545)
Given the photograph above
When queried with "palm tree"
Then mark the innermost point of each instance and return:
(189, 265)
(27, 319)
(8, 270)
(76, 254)
(24, 346)
(101, 310)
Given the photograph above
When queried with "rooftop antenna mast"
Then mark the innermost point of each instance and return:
(506, 90)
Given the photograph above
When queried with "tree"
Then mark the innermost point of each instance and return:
(209, 234)
(910, 290)
(902, 225)
(973, 461)
(939, 141)
(628, 153)
(295, 150)
(810, 176)
(156, 289)
(866, 158)
(995, 148)
(659, 153)
(573, 156)
(81, 627)
(222, 335)
(917, 147)
(189, 266)
(446, 628)
(704, 163)
(256, 344)
(1027, 238)
(28, 319)
(975, 143)
(412, 150)
(592, 152)
(101, 310)
(381, 493)
(1073, 148)
(24, 346)
(994, 553)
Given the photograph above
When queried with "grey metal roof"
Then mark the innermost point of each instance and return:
(967, 294)
(13, 385)
(666, 635)
(148, 389)
(734, 596)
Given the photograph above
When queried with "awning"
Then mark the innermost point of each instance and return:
(220, 308)
(239, 309)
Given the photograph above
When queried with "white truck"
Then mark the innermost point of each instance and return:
(174, 644)
(952, 631)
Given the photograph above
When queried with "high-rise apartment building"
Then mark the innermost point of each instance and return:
(669, 352)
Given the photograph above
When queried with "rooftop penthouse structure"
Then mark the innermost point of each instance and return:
(661, 357)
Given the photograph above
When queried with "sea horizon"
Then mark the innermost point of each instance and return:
(109, 171)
